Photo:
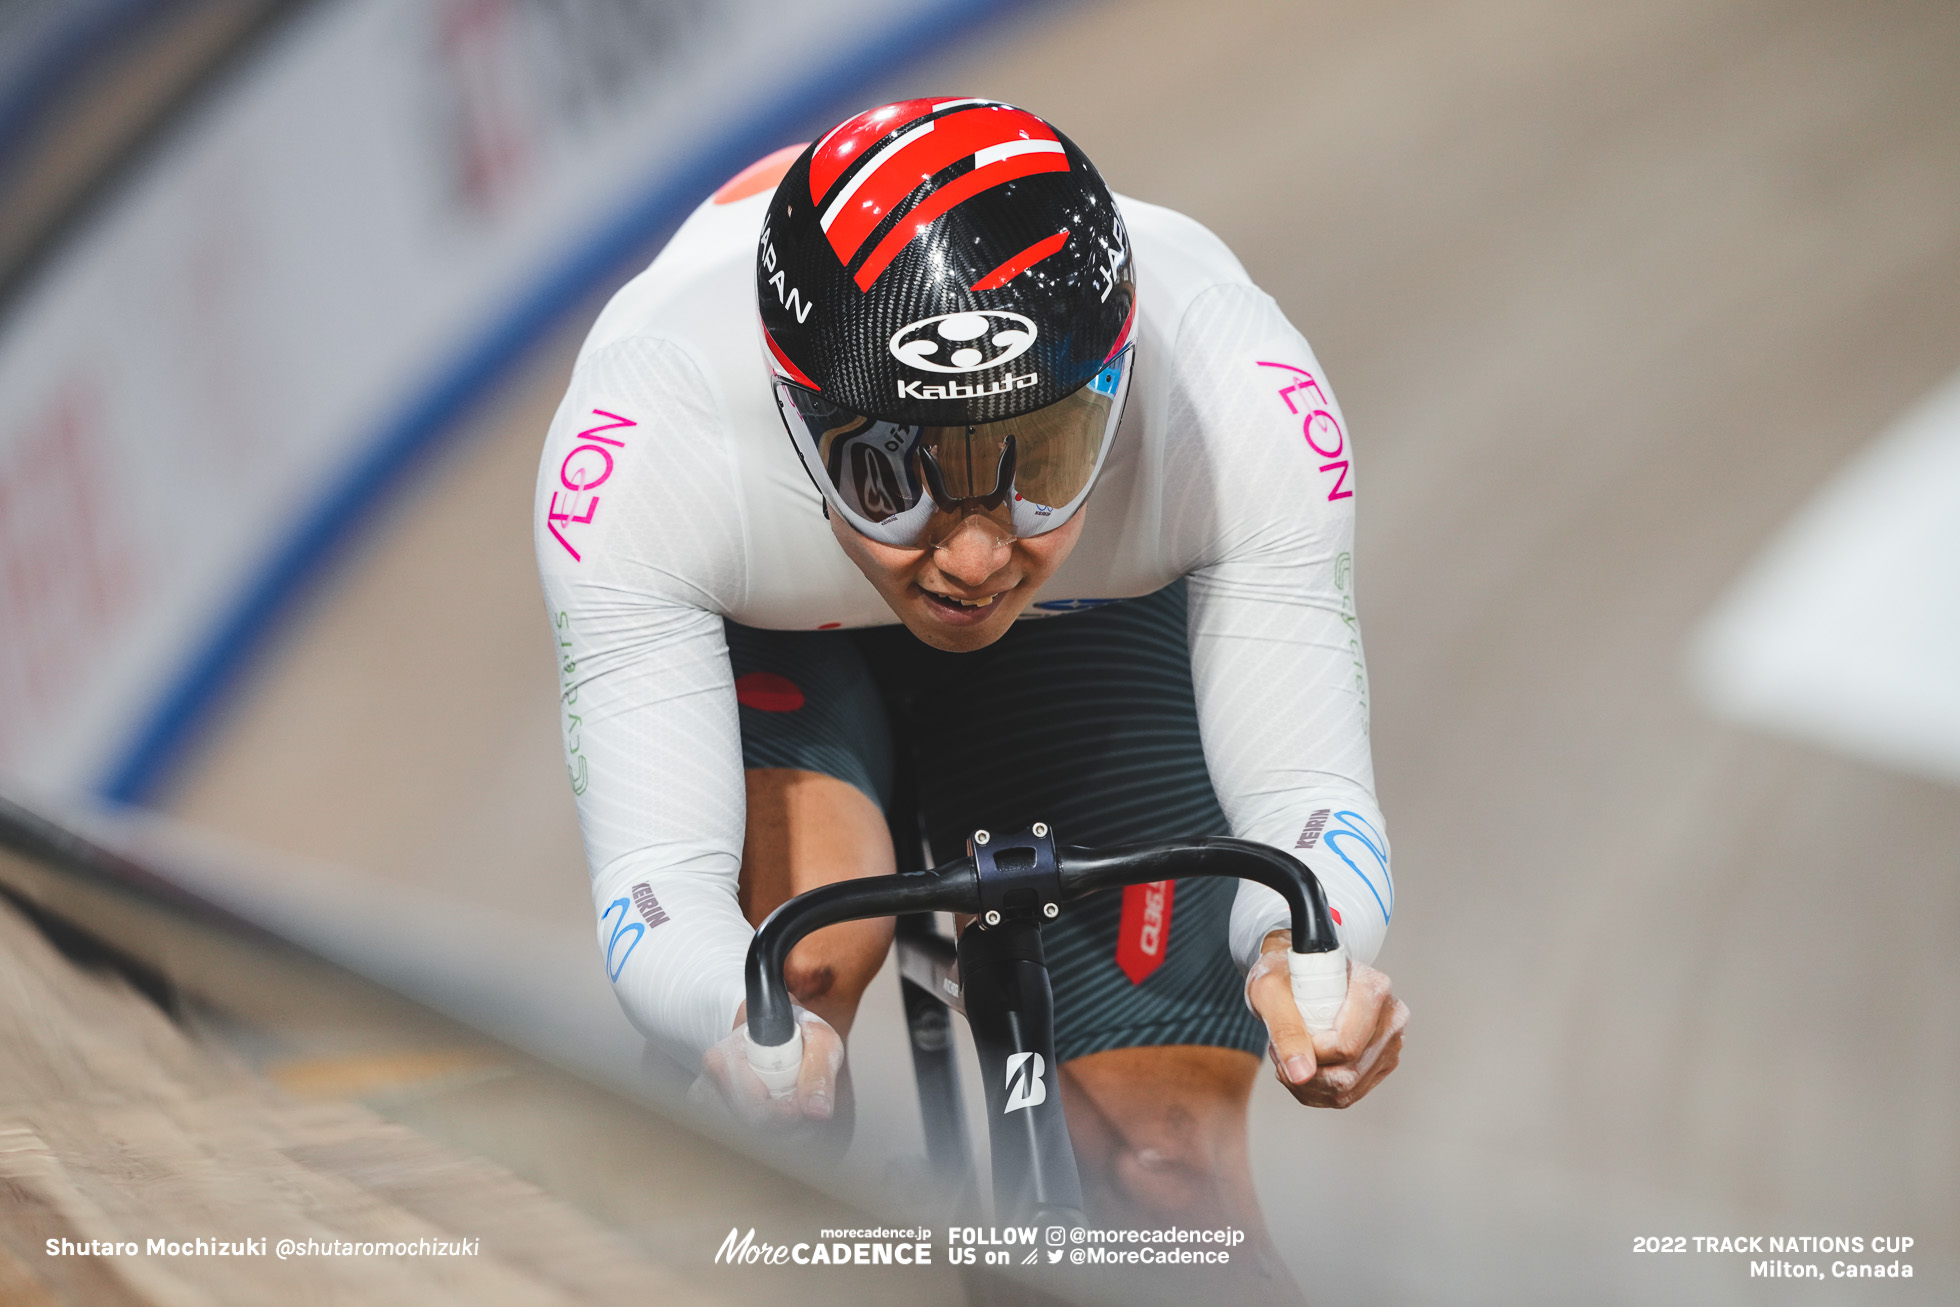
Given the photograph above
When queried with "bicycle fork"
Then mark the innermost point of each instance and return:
(1011, 1012)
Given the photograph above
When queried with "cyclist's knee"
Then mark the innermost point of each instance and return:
(1165, 1182)
(826, 977)
(809, 979)
(1164, 1129)
(829, 972)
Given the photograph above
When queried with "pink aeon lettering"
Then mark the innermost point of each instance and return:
(1339, 481)
(592, 433)
(584, 470)
(579, 472)
(1322, 419)
(1332, 442)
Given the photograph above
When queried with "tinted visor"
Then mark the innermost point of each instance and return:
(910, 485)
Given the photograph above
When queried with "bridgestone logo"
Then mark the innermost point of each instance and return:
(954, 390)
(1025, 1087)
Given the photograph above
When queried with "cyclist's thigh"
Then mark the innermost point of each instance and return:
(816, 752)
(807, 703)
(1088, 722)
(1161, 1132)
(1160, 1138)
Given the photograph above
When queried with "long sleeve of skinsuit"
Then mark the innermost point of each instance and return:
(636, 577)
(1260, 480)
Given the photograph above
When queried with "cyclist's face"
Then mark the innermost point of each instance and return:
(977, 561)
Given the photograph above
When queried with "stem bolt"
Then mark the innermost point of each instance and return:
(1051, 910)
(981, 837)
(1041, 829)
(993, 917)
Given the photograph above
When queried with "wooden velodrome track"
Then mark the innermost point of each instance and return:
(1606, 291)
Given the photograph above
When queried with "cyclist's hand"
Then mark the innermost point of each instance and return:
(1327, 1070)
(726, 1074)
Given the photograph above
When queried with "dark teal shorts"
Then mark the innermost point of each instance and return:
(1086, 721)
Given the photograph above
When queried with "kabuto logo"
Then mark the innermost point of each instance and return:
(954, 390)
(1024, 1084)
(964, 342)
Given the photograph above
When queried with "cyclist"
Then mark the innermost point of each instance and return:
(961, 334)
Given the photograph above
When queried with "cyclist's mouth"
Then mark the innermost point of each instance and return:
(961, 611)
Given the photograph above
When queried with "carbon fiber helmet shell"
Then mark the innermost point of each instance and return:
(944, 262)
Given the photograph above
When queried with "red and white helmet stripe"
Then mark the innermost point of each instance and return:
(882, 156)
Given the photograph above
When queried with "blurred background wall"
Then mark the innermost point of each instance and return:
(1609, 293)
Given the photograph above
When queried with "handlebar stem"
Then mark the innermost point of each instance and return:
(1017, 874)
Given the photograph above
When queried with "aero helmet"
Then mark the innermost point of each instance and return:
(947, 297)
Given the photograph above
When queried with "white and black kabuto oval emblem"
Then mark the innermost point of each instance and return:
(964, 342)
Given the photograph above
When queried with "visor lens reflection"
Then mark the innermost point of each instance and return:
(890, 479)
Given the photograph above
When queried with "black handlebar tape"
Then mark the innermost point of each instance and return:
(953, 887)
(1084, 871)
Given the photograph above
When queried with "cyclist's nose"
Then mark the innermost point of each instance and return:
(974, 551)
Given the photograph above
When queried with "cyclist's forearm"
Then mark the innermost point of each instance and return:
(653, 755)
(1352, 867)
(1283, 699)
(661, 809)
(1283, 705)
(672, 942)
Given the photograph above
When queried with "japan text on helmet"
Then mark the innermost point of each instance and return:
(947, 297)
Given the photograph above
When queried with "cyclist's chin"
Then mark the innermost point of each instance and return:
(919, 586)
(957, 629)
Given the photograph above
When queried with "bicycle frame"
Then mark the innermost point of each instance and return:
(1010, 885)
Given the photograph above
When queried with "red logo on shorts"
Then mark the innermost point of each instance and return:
(768, 692)
(1146, 929)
